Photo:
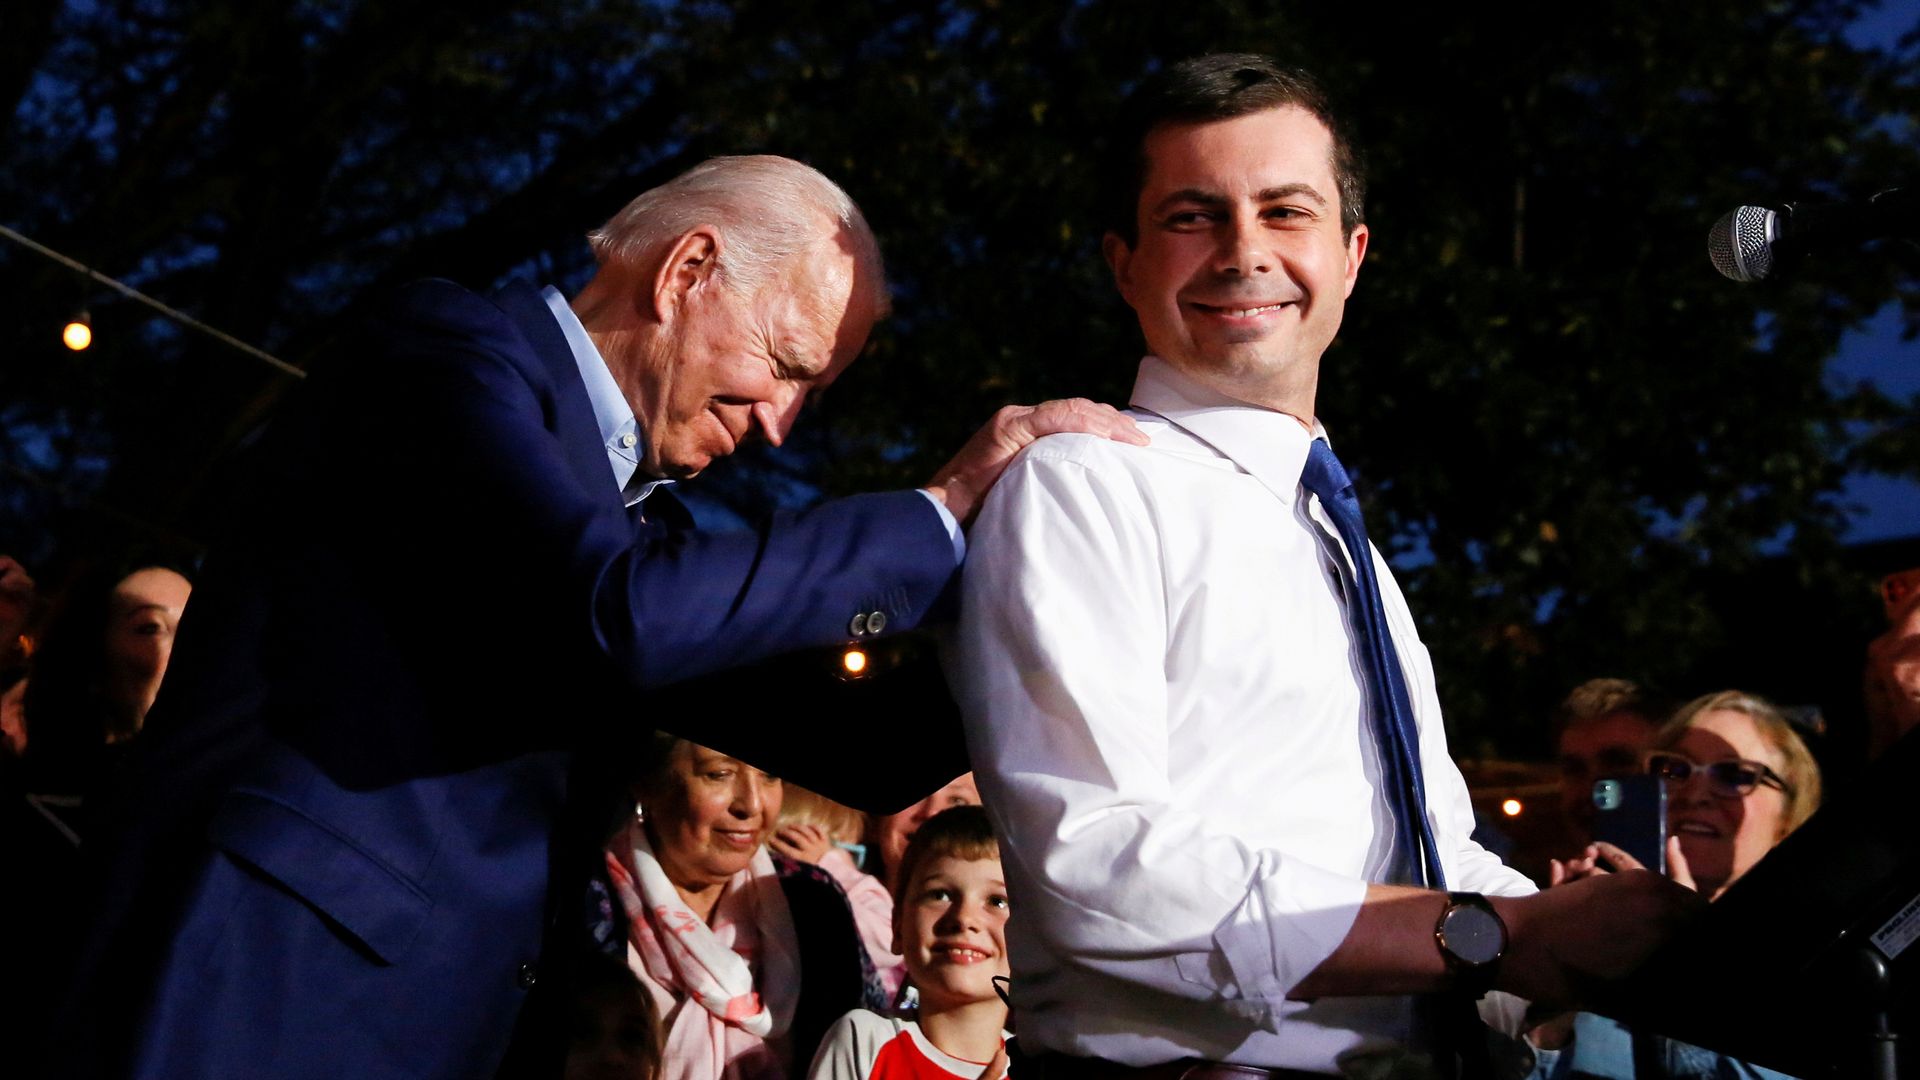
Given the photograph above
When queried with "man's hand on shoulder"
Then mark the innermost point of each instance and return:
(1567, 938)
(962, 484)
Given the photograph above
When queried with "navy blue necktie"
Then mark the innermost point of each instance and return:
(1394, 728)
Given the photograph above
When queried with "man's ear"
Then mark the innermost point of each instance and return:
(1119, 256)
(688, 266)
(1356, 251)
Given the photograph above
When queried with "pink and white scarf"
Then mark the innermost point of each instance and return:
(726, 988)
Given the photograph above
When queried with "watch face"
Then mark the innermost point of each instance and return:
(1474, 935)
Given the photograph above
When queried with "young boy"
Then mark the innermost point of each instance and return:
(949, 923)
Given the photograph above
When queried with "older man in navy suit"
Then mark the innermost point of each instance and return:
(363, 824)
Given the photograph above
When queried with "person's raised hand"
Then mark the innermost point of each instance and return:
(962, 484)
(1616, 857)
(1585, 865)
(1600, 855)
(1677, 867)
(1564, 940)
(801, 841)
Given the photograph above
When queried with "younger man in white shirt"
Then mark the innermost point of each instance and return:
(1175, 722)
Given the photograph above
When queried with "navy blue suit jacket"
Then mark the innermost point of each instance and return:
(394, 725)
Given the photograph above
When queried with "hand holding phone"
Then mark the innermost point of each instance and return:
(1630, 812)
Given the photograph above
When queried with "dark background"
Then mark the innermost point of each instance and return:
(1587, 453)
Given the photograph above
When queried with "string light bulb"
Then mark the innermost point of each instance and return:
(78, 333)
(1511, 808)
(854, 660)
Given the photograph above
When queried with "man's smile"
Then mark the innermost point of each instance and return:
(1241, 312)
(1241, 309)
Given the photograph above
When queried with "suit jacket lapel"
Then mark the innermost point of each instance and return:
(572, 418)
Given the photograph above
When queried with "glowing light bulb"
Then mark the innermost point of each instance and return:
(78, 334)
(1511, 808)
(854, 660)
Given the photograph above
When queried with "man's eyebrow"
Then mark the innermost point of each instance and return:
(1191, 195)
(1288, 191)
(1203, 197)
(793, 364)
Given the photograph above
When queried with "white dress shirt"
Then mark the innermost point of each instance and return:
(1171, 731)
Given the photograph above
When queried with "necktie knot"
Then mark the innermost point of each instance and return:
(1324, 475)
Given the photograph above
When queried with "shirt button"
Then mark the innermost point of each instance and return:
(858, 627)
(628, 440)
(876, 622)
(526, 976)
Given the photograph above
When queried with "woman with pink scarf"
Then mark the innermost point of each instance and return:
(749, 956)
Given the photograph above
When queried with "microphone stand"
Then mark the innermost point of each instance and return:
(1872, 980)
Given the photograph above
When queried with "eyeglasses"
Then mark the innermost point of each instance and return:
(1733, 778)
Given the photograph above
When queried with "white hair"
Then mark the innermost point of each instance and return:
(768, 209)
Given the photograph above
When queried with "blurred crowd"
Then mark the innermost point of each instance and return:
(748, 927)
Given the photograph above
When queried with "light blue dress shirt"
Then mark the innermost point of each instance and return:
(621, 433)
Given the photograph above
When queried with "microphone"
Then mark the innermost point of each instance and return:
(1750, 242)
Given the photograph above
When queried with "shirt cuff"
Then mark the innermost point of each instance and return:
(1293, 917)
(953, 527)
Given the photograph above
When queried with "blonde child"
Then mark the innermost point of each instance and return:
(814, 829)
(949, 926)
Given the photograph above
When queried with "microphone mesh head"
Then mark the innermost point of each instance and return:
(1741, 243)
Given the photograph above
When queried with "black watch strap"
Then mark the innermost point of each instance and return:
(1472, 939)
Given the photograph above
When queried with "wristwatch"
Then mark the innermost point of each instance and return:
(1472, 940)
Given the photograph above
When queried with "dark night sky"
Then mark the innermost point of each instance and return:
(1875, 353)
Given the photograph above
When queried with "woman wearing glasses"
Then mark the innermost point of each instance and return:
(1739, 779)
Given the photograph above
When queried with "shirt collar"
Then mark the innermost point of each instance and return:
(619, 431)
(1271, 446)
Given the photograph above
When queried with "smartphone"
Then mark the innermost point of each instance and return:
(1630, 812)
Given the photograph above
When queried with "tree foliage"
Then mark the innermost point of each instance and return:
(1572, 434)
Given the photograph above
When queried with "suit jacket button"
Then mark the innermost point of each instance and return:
(526, 976)
(858, 627)
(876, 622)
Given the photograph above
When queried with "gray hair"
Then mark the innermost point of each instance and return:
(769, 209)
